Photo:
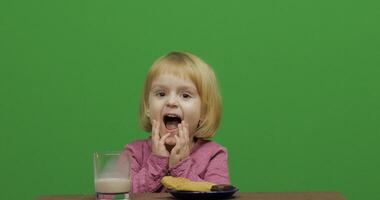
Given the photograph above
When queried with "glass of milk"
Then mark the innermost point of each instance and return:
(111, 173)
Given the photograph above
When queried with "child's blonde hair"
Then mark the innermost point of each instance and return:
(187, 66)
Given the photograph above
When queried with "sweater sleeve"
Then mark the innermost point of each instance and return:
(146, 178)
(216, 172)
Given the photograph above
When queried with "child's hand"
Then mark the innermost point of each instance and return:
(158, 144)
(182, 147)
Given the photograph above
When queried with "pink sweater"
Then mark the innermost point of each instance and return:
(207, 162)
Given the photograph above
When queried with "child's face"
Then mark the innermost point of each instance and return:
(171, 100)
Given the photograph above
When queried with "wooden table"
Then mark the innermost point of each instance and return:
(237, 196)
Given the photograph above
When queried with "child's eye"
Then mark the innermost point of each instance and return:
(160, 94)
(185, 95)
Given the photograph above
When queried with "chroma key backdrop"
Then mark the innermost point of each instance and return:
(300, 82)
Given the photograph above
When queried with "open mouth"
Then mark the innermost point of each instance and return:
(171, 121)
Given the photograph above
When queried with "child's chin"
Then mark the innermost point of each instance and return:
(170, 141)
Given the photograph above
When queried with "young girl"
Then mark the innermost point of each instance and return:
(181, 107)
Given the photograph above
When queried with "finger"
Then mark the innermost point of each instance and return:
(177, 146)
(156, 131)
(180, 136)
(153, 128)
(180, 130)
(184, 128)
(185, 132)
(183, 125)
(163, 138)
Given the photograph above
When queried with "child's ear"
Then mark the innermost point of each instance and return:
(147, 113)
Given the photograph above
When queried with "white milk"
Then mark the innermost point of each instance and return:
(112, 185)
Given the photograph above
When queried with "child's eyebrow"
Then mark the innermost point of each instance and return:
(188, 88)
(156, 86)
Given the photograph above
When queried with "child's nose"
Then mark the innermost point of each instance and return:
(172, 101)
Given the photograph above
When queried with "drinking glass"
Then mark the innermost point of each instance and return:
(111, 175)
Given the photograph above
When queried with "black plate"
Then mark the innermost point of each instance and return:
(203, 195)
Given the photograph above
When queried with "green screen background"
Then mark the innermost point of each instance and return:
(299, 79)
